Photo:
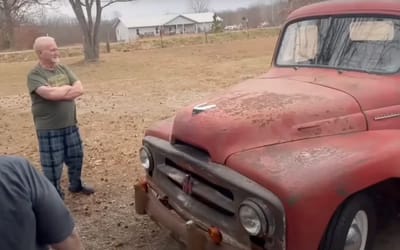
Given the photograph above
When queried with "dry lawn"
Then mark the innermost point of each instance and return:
(125, 93)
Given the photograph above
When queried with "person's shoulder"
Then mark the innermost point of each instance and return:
(13, 163)
(35, 70)
(12, 159)
(62, 66)
(67, 70)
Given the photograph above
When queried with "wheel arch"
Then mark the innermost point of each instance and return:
(382, 194)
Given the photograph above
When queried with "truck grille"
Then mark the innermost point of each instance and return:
(186, 180)
(200, 189)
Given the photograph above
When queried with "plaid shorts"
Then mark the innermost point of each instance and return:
(59, 146)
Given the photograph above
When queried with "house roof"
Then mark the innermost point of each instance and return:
(206, 17)
(151, 21)
(131, 22)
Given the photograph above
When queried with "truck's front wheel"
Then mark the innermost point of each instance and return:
(352, 227)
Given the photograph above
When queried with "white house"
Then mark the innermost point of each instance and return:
(128, 29)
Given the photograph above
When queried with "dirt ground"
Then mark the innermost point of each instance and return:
(125, 93)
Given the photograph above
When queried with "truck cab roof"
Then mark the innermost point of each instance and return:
(341, 7)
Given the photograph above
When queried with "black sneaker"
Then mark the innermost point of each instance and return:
(82, 189)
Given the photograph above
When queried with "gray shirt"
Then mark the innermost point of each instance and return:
(32, 214)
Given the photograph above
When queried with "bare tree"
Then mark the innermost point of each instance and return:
(259, 14)
(13, 12)
(88, 13)
(199, 6)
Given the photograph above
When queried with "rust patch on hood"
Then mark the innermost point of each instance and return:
(251, 105)
(263, 112)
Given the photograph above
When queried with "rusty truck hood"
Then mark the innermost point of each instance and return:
(262, 112)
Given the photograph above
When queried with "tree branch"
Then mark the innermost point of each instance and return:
(200, 5)
(113, 1)
(97, 22)
(77, 8)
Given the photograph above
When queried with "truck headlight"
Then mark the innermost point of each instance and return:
(146, 159)
(252, 218)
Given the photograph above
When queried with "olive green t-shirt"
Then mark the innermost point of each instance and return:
(51, 114)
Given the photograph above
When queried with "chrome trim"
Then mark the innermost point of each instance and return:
(260, 214)
(388, 116)
(149, 155)
(202, 107)
(198, 188)
(357, 235)
(186, 160)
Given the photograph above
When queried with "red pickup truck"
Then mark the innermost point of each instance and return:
(303, 157)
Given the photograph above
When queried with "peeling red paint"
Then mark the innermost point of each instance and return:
(311, 136)
(161, 129)
(262, 112)
(312, 177)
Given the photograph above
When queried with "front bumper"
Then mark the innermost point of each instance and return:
(187, 186)
(148, 201)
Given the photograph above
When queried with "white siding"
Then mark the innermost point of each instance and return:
(132, 35)
(172, 24)
(122, 33)
(190, 28)
(148, 31)
(203, 27)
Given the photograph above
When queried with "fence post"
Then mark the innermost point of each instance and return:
(108, 42)
(161, 37)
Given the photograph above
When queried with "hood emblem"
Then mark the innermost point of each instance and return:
(202, 107)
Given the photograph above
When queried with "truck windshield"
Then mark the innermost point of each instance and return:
(369, 44)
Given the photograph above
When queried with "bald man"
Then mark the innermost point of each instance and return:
(53, 88)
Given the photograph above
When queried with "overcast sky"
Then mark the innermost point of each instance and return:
(159, 7)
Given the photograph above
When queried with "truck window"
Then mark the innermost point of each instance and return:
(368, 44)
(372, 31)
(301, 42)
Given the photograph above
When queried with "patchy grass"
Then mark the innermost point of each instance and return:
(185, 40)
(150, 43)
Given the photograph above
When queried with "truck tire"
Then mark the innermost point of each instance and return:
(352, 227)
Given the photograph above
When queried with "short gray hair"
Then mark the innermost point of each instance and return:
(40, 41)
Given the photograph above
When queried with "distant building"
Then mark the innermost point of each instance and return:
(129, 29)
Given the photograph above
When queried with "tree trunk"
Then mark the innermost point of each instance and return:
(88, 28)
(90, 48)
(108, 42)
(8, 28)
(89, 21)
(9, 35)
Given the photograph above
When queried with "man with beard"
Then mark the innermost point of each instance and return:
(53, 88)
